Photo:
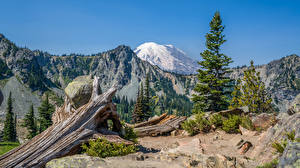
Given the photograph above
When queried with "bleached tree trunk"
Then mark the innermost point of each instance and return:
(70, 129)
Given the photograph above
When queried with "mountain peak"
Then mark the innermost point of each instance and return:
(167, 57)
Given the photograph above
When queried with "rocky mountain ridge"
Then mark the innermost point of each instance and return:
(40, 71)
(37, 71)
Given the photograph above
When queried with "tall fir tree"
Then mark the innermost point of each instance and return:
(213, 87)
(137, 115)
(45, 112)
(251, 92)
(30, 123)
(9, 131)
(147, 99)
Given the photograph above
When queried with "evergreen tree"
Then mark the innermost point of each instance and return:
(137, 115)
(45, 112)
(213, 87)
(147, 99)
(30, 123)
(251, 92)
(9, 131)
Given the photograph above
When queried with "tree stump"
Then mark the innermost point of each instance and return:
(71, 127)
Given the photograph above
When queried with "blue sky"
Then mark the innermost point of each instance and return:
(262, 30)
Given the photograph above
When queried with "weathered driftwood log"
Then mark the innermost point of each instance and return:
(163, 124)
(70, 129)
(152, 121)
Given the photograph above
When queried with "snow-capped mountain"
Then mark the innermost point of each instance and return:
(167, 57)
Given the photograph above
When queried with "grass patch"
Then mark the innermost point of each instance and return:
(7, 146)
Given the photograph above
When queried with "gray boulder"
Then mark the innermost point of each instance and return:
(79, 91)
(290, 156)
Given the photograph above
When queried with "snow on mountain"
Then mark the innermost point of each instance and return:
(167, 57)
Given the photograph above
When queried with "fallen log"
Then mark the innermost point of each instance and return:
(165, 125)
(152, 121)
(71, 127)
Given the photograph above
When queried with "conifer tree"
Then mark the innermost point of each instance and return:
(213, 87)
(137, 115)
(147, 99)
(30, 123)
(251, 92)
(9, 131)
(45, 112)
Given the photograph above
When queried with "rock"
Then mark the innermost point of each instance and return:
(247, 132)
(295, 106)
(175, 132)
(290, 156)
(1, 97)
(245, 147)
(185, 133)
(76, 161)
(79, 91)
(264, 152)
(140, 158)
(264, 121)
(217, 137)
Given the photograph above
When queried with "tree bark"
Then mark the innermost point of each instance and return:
(163, 125)
(70, 129)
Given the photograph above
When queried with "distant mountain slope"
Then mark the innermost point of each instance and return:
(167, 57)
(28, 74)
(40, 71)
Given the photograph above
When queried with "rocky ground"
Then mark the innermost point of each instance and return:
(214, 150)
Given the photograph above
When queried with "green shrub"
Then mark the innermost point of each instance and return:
(190, 127)
(246, 122)
(290, 136)
(199, 124)
(279, 147)
(231, 125)
(216, 120)
(103, 148)
(272, 164)
(129, 133)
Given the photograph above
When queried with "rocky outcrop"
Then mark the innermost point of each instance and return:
(79, 91)
(1, 97)
(263, 121)
(290, 156)
(264, 152)
(295, 106)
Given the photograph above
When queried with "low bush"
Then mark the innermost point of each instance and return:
(272, 164)
(216, 120)
(103, 148)
(190, 127)
(129, 133)
(231, 125)
(246, 122)
(199, 124)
